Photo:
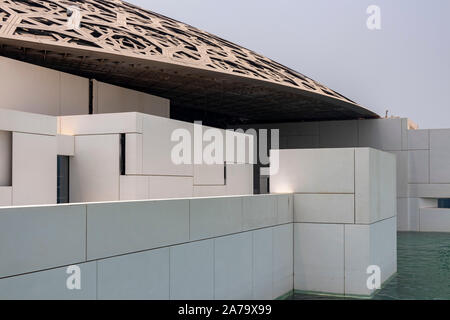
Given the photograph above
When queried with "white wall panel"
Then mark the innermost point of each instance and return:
(404, 215)
(210, 191)
(433, 190)
(259, 212)
(213, 174)
(112, 99)
(319, 257)
(262, 264)
(38, 238)
(324, 208)
(139, 276)
(74, 95)
(192, 271)
(157, 147)
(368, 245)
(130, 122)
(316, 171)
(119, 228)
(34, 169)
(418, 139)
(50, 285)
(134, 188)
(402, 172)
(41, 85)
(434, 220)
(285, 208)
(239, 179)
(439, 156)
(95, 169)
(170, 187)
(375, 197)
(283, 260)
(5, 196)
(233, 280)
(11, 120)
(414, 207)
(418, 166)
(215, 217)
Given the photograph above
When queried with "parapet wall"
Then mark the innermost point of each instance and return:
(206, 248)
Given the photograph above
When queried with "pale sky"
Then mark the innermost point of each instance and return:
(404, 67)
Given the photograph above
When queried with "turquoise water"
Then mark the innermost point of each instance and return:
(423, 265)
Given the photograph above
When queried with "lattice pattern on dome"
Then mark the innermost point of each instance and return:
(118, 27)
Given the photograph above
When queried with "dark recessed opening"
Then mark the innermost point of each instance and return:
(63, 179)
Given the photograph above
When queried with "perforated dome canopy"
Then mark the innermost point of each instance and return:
(200, 73)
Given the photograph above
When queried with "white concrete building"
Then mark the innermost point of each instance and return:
(93, 120)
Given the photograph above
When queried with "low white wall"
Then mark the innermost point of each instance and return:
(168, 249)
(434, 220)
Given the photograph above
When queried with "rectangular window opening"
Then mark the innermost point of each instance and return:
(122, 154)
(5, 159)
(63, 179)
(444, 203)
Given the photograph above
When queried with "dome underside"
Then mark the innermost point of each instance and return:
(122, 44)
